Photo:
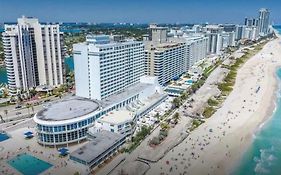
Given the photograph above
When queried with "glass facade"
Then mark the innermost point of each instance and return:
(56, 135)
(74, 131)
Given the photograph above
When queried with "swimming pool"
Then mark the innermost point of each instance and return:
(174, 91)
(29, 165)
(189, 81)
(3, 137)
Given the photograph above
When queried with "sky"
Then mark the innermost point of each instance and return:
(138, 11)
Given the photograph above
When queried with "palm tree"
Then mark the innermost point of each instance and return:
(176, 117)
(32, 108)
(28, 106)
(184, 95)
(176, 102)
(164, 126)
(157, 116)
(12, 99)
(1, 118)
(6, 113)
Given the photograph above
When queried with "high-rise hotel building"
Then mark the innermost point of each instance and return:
(263, 21)
(213, 32)
(166, 61)
(168, 58)
(104, 68)
(33, 54)
(197, 49)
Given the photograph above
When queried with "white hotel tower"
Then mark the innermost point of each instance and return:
(111, 67)
(33, 54)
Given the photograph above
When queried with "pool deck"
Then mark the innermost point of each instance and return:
(17, 144)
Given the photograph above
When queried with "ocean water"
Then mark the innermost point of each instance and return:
(71, 30)
(69, 63)
(264, 155)
(3, 75)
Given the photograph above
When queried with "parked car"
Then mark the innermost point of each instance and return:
(18, 107)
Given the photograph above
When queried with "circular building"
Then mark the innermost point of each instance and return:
(66, 121)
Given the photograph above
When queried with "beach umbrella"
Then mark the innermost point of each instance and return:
(28, 133)
(63, 151)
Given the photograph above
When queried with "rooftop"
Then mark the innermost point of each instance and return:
(67, 109)
(164, 46)
(102, 41)
(127, 114)
(130, 91)
(74, 107)
(117, 117)
(102, 141)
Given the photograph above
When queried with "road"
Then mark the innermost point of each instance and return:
(23, 112)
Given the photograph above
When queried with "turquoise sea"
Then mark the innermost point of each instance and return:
(69, 64)
(3, 75)
(264, 155)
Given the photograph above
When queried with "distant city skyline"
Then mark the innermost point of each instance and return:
(144, 11)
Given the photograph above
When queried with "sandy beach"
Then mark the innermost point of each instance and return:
(233, 126)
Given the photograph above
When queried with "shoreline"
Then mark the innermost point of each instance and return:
(255, 127)
(270, 111)
(234, 124)
(266, 118)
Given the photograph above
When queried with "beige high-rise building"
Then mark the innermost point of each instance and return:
(166, 61)
(33, 54)
(157, 34)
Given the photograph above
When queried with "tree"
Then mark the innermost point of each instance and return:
(176, 116)
(176, 102)
(157, 116)
(164, 126)
(32, 108)
(1, 118)
(32, 92)
(154, 141)
(28, 106)
(6, 113)
(184, 96)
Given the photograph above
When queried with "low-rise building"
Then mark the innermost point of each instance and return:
(123, 120)
(101, 146)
